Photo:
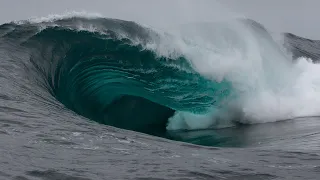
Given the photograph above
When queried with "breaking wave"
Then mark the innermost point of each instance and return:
(196, 76)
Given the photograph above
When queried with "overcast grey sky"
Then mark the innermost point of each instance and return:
(297, 16)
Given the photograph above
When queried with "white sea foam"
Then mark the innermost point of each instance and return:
(269, 85)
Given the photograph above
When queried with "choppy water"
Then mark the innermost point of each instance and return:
(227, 86)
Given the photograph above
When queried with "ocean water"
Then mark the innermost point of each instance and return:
(84, 96)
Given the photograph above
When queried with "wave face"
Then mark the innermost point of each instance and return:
(197, 76)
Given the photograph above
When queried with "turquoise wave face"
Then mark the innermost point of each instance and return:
(118, 83)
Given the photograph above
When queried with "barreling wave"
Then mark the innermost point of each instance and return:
(107, 76)
(134, 77)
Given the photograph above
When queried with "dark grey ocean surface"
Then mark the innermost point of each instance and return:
(42, 139)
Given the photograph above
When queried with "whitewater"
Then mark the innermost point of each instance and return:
(199, 92)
